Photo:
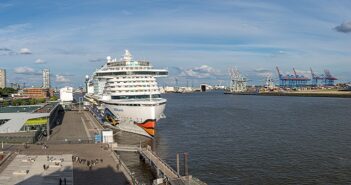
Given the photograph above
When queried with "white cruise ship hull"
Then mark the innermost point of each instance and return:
(138, 117)
(136, 113)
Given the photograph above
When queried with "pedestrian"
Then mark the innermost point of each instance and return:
(60, 181)
(65, 180)
(44, 166)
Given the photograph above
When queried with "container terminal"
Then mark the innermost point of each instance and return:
(294, 84)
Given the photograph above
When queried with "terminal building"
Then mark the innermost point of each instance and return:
(25, 123)
(66, 97)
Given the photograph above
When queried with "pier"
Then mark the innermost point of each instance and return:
(164, 172)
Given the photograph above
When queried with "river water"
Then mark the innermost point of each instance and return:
(237, 139)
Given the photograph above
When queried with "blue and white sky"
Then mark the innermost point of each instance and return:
(197, 40)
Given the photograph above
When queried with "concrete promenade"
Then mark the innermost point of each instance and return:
(104, 172)
(75, 126)
(28, 170)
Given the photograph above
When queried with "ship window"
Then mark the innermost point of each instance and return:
(136, 97)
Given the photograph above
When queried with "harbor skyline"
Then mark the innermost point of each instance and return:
(194, 40)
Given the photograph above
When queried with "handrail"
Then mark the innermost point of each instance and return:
(124, 168)
(148, 148)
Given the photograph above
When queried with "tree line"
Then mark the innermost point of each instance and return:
(7, 91)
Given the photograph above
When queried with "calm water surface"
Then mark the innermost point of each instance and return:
(235, 139)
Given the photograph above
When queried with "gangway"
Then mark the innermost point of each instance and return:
(163, 170)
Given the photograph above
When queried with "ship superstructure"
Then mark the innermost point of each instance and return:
(127, 93)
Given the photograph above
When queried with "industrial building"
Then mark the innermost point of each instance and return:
(2, 78)
(24, 123)
(296, 80)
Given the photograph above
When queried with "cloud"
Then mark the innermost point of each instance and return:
(203, 71)
(62, 79)
(345, 27)
(126, 12)
(25, 51)
(261, 72)
(6, 51)
(97, 60)
(26, 71)
(303, 72)
(4, 5)
(40, 61)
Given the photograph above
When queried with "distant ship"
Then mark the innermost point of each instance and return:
(127, 94)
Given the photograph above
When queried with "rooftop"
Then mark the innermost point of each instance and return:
(14, 109)
(46, 108)
(29, 108)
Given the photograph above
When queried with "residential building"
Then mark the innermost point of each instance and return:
(46, 78)
(2, 78)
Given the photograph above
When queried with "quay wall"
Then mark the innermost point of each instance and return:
(307, 94)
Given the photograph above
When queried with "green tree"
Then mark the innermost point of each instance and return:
(5, 103)
(7, 91)
(32, 101)
(41, 100)
(15, 102)
(22, 102)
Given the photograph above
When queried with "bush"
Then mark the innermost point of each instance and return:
(54, 98)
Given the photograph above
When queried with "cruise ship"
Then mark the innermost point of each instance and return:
(126, 94)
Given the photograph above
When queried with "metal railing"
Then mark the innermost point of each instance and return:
(125, 170)
(148, 148)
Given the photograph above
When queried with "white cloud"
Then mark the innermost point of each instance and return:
(62, 79)
(203, 71)
(6, 51)
(25, 51)
(40, 61)
(97, 60)
(26, 71)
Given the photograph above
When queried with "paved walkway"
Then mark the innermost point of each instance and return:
(28, 170)
(105, 172)
(76, 126)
